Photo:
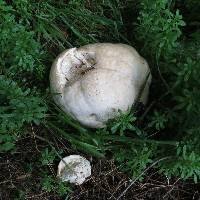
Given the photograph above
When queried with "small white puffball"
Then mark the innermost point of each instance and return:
(74, 169)
(92, 83)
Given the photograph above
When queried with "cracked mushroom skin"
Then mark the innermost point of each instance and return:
(92, 83)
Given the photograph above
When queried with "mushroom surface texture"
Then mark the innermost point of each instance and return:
(92, 83)
(74, 169)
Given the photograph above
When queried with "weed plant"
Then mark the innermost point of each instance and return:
(166, 33)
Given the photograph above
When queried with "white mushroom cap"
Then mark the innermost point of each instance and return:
(95, 81)
(74, 169)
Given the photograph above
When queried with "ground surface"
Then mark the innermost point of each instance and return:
(106, 182)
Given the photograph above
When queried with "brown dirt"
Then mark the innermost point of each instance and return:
(20, 171)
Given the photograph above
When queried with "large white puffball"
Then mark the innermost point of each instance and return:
(92, 83)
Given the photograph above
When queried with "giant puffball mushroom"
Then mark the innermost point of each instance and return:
(74, 169)
(92, 83)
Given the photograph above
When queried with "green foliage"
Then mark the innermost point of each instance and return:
(177, 62)
(192, 17)
(50, 184)
(17, 108)
(20, 53)
(159, 27)
(123, 123)
(48, 156)
(20, 63)
(184, 164)
(133, 159)
(71, 23)
(158, 120)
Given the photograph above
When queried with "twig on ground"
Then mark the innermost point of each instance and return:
(132, 182)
